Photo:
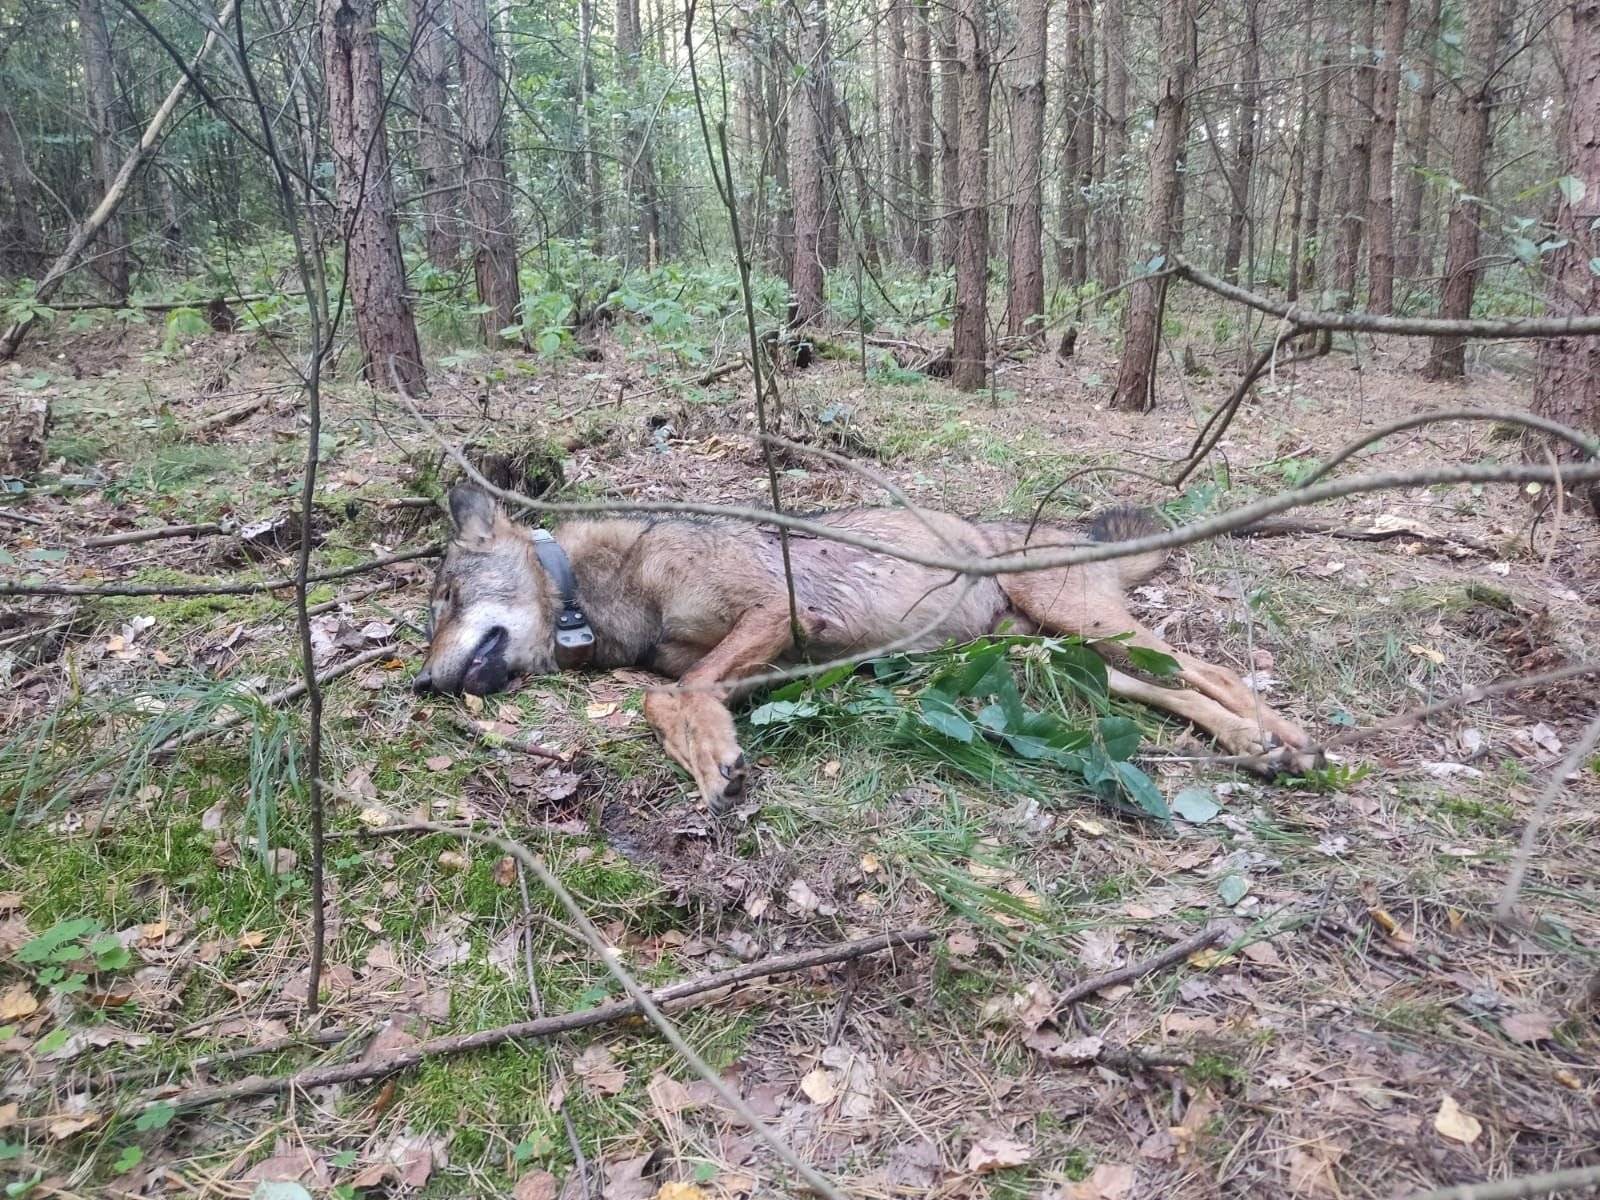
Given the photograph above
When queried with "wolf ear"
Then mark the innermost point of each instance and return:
(472, 511)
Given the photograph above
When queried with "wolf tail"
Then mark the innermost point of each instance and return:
(1122, 524)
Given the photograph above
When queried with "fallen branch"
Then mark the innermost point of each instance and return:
(91, 225)
(1218, 424)
(498, 741)
(213, 589)
(1550, 1182)
(134, 536)
(161, 306)
(1569, 766)
(1174, 953)
(1288, 528)
(229, 417)
(388, 585)
(1510, 327)
(21, 518)
(273, 700)
(406, 1057)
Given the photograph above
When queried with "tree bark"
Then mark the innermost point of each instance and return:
(105, 120)
(949, 139)
(1357, 161)
(807, 172)
(1297, 153)
(1109, 254)
(922, 132)
(28, 245)
(644, 200)
(1025, 222)
(1246, 135)
(1142, 327)
(1413, 258)
(1447, 356)
(1077, 158)
(1567, 387)
(900, 131)
(969, 367)
(776, 106)
(1380, 195)
(1316, 171)
(594, 189)
(488, 193)
(438, 173)
(375, 270)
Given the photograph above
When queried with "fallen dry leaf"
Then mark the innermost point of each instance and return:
(61, 1128)
(1385, 921)
(802, 899)
(1529, 1026)
(438, 762)
(996, 1154)
(1108, 1181)
(1311, 1169)
(8, 1115)
(10, 901)
(505, 872)
(680, 1191)
(817, 1085)
(17, 1002)
(600, 709)
(452, 860)
(600, 1071)
(1453, 1123)
(668, 1095)
(536, 1185)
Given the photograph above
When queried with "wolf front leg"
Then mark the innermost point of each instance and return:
(692, 718)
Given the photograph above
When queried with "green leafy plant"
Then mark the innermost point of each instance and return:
(976, 709)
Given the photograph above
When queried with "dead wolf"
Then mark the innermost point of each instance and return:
(706, 602)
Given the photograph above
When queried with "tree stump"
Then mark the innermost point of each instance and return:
(24, 425)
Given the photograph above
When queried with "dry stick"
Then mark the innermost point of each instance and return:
(272, 700)
(387, 585)
(231, 416)
(543, 1027)
(1217, 426)
(647, 1006)
(1357, 322)
(11, 340)
(1555, 429)
(1174, 953)
(21, 518)
(1574, 760)
(162, 531)
(161, 305)
(1519, 1187)
(497, 741)
(1290, 528)
(215, 589)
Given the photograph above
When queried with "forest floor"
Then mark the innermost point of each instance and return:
(1364, 1028)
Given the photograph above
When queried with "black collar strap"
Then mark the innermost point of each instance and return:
(574, 638)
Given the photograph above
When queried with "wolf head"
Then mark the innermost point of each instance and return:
(493, 608)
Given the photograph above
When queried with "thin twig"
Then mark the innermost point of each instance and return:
(1357, 322)
(497, 741)
(1572, 763)
(1571, 1179)
(214, 589)
(134, 536)
(274, 700)
(409, 1056)
(652, 1012)
(1174, 953)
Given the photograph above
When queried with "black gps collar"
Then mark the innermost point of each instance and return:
(574, 638)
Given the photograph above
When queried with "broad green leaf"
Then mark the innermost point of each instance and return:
(158, 1116)
(1232, 889)
(1152, 662)
(1120, 737)
(781, 712)
(1196, 805)
(940, 715)
(1573, 189)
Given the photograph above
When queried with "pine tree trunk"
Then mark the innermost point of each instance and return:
(1142, 326)
(375, 271)
(949, 138)
(900, 131)
(1297, 155)
(776, 106)
(1109, 265)
(1380, 195)
(1025, 223)
(922, 132)
(1412, 257)
(643, 202)
(1356, 165)
(969, 366)
(594, 189)
(1316, 171)
(1077, 153)
(488, 194)
(1447, 356)
(105, 120)
(438, 172)
(807, 172)
(1246, 137)
(28, 248)
(1567, 387)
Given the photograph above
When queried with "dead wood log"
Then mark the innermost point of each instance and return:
(24, 426)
